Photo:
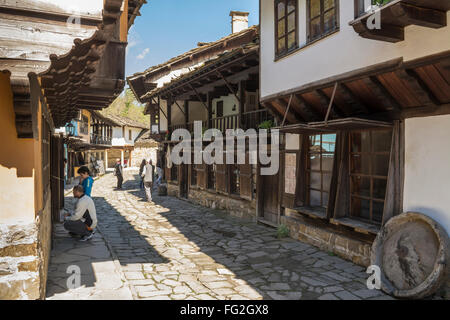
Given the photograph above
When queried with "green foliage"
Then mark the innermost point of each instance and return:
(380, 2)
(282, 231)
(127, 106)
(266, 124)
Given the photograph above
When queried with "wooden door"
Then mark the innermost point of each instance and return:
(183, 180)
(270, 203)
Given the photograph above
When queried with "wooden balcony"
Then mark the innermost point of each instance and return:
(398, 14)
(101, 140)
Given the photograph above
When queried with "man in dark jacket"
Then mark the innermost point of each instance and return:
(118, 172)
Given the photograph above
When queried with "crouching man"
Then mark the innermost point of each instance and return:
(84, 220)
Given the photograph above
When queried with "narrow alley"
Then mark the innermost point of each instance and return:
(176, 250)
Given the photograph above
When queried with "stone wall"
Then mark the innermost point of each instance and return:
(236, 207)
(350, 248)
(24, 257)
(19, 262)
(141, 153)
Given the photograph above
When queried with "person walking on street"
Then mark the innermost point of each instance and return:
(148, 176)
(84, 220)
(141, 171)
(118, 172)
(86, 180)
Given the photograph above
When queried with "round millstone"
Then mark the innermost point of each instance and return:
(412, 251)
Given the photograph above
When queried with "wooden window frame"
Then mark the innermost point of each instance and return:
(277, 19)
(371, 198)
(322, 15)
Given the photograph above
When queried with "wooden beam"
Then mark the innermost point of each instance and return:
(382, 93)
(228, 85)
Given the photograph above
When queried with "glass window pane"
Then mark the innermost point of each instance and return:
(292, 4)
(379, 188)
(361, 141)
(328, 4)
(382, 140)
(281, 45)
(281, 28)
(329, 142)
(315, 28)
(315, 198)
(327, 162)
(326, 182)
(315, 180)
(380, 165)
(291, 22)
(315, 8)
(360, 163)
(361, 186)
(314, 143)
(377, 213)
(292, 41)
(314, 162)
(325, 198)
(281, 9)
(329, 21)
(360, 208)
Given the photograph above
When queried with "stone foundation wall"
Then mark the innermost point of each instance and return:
(24, 258)
(353, 249)
(240, 208)
(19, 262)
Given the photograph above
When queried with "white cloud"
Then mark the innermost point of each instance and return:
(143, 53)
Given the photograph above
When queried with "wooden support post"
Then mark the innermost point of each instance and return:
(186, 112)
(209, 108)
(241, 100)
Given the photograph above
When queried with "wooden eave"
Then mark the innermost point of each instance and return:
(393, 90)
(238, 65)
(398, 14)
(140, 82)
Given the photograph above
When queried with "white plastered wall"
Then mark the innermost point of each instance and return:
(427, 168)
(341, 52)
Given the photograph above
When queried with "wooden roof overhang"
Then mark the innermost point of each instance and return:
(218, 78)
(144, 82)
(90, 76)
(398, 14)
(392, 90)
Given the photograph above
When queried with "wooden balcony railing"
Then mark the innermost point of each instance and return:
(249, 119)
(253, 119)
(100, 140)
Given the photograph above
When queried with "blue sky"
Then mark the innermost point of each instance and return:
(168, 28)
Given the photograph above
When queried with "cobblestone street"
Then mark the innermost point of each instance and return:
(176, 250)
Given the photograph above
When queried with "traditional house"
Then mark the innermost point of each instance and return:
(87, 140)
(362, 97)
(55, 60)
(125, 132)
(216, 84)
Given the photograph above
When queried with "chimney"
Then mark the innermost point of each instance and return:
(239, 21)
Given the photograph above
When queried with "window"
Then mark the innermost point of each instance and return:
(320, 169)
(130, 136)
(84, 125)
(219, 109)
(193, 175)
(322, 18)
(211, 171)
(235, 179)
(174, 173)
(369, 167)
(286, 26)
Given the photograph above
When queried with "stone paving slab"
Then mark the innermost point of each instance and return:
(172, 249)
(101, 277)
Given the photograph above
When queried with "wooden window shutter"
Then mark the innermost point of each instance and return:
(245, 181)
(167, 174)
(201, 175)
(221, 178)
